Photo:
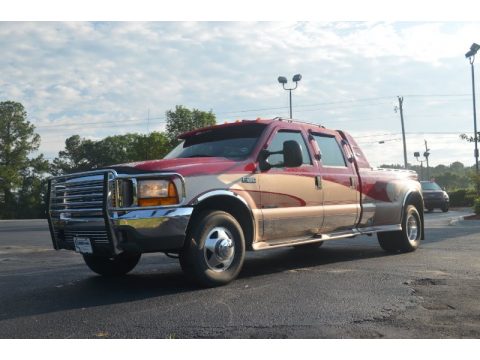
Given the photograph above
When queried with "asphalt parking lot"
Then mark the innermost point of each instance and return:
(344, 289)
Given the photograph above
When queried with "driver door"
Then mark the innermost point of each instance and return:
(291, 203)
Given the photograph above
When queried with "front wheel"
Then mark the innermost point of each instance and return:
(214, 250)
(407, 239)
(445, 207)
(115, 266)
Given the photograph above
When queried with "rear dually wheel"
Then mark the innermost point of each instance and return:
(407, 239)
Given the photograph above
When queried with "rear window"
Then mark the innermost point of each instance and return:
(330, 151)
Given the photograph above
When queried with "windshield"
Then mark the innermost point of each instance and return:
(232, 142)
(430, 186)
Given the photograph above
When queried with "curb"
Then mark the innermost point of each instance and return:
(20, 220)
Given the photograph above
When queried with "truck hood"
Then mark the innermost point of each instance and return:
(187, 166)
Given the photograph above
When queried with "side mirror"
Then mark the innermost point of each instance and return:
(292, 154)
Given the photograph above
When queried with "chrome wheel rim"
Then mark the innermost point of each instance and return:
(412, 228)
(219, 250)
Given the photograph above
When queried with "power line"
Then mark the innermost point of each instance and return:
(130, 121)
(413, 133)
(163, 118)
(438, 95)
(306, 105)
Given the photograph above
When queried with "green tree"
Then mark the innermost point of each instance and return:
(31, 195)
(452, 177)
(152, 146)
(17, 141)
(82, 154)
(182, 120)
(74, 158)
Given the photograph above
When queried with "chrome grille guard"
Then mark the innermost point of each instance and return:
(93, 197)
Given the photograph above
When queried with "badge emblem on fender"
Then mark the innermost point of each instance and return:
(249, 180)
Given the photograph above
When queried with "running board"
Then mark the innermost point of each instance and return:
(274, 244)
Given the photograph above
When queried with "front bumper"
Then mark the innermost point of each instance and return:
(435, 203)
(110, 228)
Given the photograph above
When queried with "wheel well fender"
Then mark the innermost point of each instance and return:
(415, 198)
(232, 204)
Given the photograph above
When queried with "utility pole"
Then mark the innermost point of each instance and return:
(400, 107)
(427, 154)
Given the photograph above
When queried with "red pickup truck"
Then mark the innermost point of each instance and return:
(225, 189)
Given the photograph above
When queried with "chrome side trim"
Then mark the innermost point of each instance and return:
(380, 228)
(264, 245)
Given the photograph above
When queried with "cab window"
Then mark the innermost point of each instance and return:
(277, 145)
(330, 151)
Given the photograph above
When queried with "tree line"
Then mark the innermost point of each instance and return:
(23, 177)
(450, 177)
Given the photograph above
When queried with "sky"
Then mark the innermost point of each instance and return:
(105, 78)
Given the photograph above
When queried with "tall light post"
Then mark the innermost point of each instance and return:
(470, 55)
(283, 80)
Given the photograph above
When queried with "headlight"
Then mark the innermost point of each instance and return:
(156, 193)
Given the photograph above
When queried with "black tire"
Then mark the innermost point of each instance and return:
(444, 207)
(116, 266)
(407, 239)
(214, 237)
(309, 246)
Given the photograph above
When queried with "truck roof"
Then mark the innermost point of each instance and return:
(245, 121)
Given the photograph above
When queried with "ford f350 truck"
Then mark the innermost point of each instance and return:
(226, 189)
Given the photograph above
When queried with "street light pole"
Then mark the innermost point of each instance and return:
(290, 91)
(470, 55)
(283, 80)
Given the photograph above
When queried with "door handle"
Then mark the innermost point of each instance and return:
(353, 182)
(318, 182)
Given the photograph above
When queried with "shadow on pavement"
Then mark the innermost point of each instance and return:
(298, 258)
(95, 290)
